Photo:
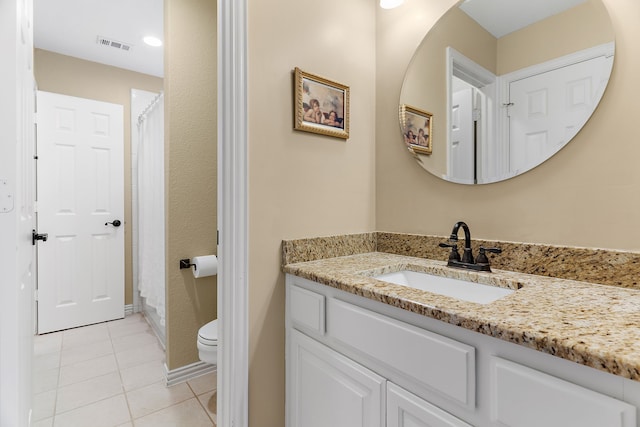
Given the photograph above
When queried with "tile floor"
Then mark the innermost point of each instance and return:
(112, 375)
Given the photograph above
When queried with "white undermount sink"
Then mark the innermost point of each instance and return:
(455, 288)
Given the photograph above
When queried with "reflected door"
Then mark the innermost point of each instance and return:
(80, 197)
(462, 144)
(548, 109)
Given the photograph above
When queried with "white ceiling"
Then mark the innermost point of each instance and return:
(72, 27)
(501, 17)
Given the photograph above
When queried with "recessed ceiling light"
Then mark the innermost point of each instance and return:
(153, 41)
(390, 4)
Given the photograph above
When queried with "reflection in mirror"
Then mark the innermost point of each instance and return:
(508, 84)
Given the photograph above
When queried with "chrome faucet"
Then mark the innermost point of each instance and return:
(467, 261)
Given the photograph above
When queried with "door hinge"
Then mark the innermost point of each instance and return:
(35, 206)
(35, 295)
(507, 105)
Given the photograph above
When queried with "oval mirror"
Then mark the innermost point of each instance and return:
(498, 86)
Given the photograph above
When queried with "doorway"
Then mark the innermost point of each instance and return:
(471, 94)
(68, 73)
(233, 215)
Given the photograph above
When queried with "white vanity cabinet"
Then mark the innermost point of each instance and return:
(351, 362)
(328, 389)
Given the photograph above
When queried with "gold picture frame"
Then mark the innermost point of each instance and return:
(321, 105)
(417, 129)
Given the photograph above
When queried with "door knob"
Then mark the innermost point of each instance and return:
(115, 223)
(35, 236)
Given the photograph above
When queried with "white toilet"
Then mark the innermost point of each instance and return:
(208, 342)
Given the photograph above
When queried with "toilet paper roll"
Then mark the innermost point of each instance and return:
(204, 266)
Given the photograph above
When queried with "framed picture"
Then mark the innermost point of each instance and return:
(321, 106)
(417, 126)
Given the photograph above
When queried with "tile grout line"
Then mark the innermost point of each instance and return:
(55, 403)
(124, 392)
(200, 403)
(112, 353)
(122, 389)
(93, 402)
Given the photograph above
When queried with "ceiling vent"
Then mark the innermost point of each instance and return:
(114, 43)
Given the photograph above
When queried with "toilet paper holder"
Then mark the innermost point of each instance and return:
(203, 266)
(186, 263)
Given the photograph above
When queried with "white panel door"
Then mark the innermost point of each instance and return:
(461, 149)
(81, 208)
(548, 109)
(17, 216)
(328, 389)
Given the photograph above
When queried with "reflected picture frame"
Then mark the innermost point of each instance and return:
(417, 129)
(321, 105)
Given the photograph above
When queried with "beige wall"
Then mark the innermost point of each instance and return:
(581, 27)
(190, 170)
(84, 79)
(586, 195)
(301, 184)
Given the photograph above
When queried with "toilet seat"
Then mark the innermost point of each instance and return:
(207, 342)
(208, 334)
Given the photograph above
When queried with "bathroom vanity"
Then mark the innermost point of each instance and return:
(366, 352)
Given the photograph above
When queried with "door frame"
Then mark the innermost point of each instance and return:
(233, 253)
(464, 68)
(232, 210)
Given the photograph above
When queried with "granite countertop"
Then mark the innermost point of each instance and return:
(591, 324)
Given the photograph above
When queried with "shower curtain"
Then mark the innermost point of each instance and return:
(151, 275)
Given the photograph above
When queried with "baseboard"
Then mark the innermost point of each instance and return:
(128, 309)
(131, 308)
(188, 372)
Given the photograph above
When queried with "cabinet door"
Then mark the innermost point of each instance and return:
(524, 397)
(405, 409)
(325, 388)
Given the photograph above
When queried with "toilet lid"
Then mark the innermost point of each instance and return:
(208, 334)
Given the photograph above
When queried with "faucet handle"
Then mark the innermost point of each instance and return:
(482, 256)
(454, 255)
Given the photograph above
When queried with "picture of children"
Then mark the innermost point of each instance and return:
(409, 137)
(416, 126)
(422, 139)
(333, 120)
(313, 114)
(321, 105)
